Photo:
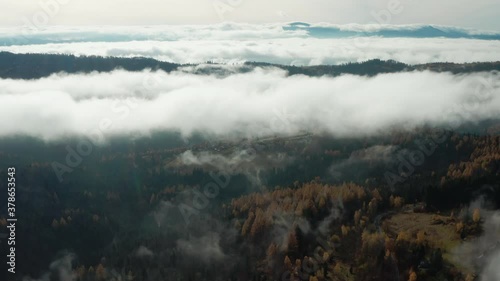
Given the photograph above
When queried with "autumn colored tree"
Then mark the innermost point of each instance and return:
(373, 243)
(469, 277)
(372, 207)
(248, 224)
(288, 263)
(298, 263)
(413, 276)
(100, 272)
(259, 223)
(272, 250)
(335, 238)
(80, 272)
(476, 216)
(326, 256)
(403, 236)
(421, 237)
(337, 269)
(322, 203)
(398, 202)
(387, 254)
(376, 195)
(320, 275)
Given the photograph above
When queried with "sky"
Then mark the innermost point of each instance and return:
(478, 14)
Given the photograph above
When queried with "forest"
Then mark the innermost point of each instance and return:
(307, 207)
(34, 66)
(406, 201)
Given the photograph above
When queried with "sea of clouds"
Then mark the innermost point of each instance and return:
(261, 102)
(287, 51)
(297, 44)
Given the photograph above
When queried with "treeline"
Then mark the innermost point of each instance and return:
(34, 66)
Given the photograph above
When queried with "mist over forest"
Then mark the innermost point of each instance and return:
(278, 152)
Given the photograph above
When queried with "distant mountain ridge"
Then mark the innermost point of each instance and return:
(224, 31)
(34, 66)
(390, 31)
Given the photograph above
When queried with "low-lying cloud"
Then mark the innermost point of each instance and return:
(287, 51)
(260, 103)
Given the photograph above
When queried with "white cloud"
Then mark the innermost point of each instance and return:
(297, 51)
(220, 31)
(22, 35)
(256, 103)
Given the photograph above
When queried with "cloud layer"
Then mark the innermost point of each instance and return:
(293, 43)
(262, 102)
(296, 51)
(34, 34)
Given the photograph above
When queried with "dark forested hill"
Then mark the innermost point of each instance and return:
(33, 66)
